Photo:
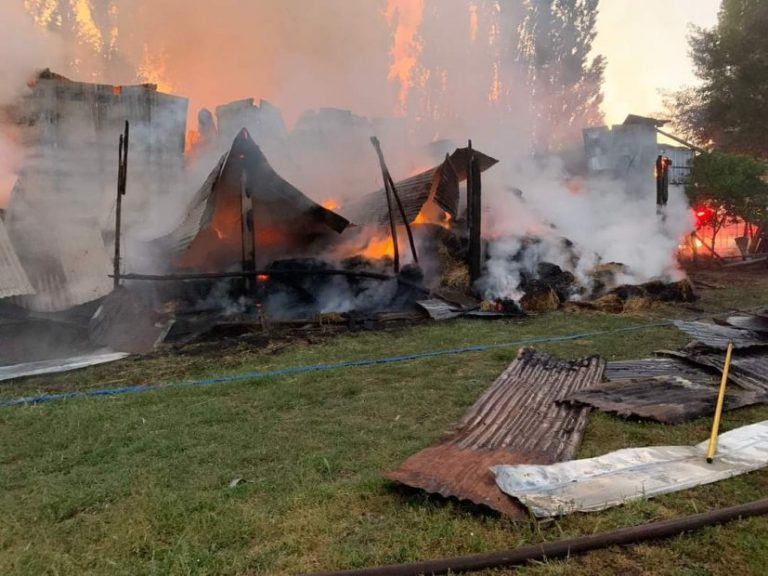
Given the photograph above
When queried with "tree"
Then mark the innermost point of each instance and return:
(566, 83)
(727, 188)
(729, 110)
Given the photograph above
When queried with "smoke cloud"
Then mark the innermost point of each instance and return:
(445, 70)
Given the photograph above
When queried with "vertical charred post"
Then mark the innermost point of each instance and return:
(248, 234)
(122, 182)
(474, 216)
(387, 191)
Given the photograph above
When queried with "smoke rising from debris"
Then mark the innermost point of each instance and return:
(455, 70)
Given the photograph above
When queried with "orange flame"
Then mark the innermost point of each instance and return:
(380, 247)
(152, 70)
(193, 138)
(330, 204)
(408, 15)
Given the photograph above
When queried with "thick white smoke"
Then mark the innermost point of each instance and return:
(467, 83)
(24, 48)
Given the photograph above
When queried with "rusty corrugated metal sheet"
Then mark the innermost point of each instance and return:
(718, 337)
(666, 400)
(518, 420)
(439, 184)
(659, 367)
(13, 278)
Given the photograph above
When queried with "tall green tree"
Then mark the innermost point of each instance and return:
(729, 110)
(565, 79)
(729, 188)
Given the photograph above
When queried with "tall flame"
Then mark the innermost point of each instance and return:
(152, 70)
(474, 22)
(407, 15)
(87, 31)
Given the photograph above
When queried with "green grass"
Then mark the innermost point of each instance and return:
(141, 484)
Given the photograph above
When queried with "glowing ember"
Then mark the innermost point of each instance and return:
(192, 140)
(408, 15)
(330, 204)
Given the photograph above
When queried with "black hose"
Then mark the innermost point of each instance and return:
(564, 548)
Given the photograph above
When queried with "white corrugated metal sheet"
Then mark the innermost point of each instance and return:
(13, 279)
(63, 255)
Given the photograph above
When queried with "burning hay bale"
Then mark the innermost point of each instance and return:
(540, 297)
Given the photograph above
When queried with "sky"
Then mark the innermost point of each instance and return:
(645, 42)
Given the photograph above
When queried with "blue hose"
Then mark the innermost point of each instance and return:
(46, 398)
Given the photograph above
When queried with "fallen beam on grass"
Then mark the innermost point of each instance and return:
(564, 548)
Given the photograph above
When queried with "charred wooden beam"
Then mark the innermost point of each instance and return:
(388, 192)
(474, 216)
(393, 190)
(122, 182)
(206, 276)
(248, 234)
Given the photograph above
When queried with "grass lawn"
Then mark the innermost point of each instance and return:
(141, 484)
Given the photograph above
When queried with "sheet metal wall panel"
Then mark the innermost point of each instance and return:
(518, 420)
(594, 484)
(660, 367)
(749, 368)
(666, 400)
(13, 278)
(718, 337)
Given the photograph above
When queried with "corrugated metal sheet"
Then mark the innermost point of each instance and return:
(749, 368)
(124, 324)
(518, 420)
(63, 255)
(718, 337)
(13, 279)
(198, 214)
(754, 323)
(439, 184)
(598, 483)
(59, 365)
(439, 309)
(667, 400)
(285, 220)
(61, 212)
(659, 367)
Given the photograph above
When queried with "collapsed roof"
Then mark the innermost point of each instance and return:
(286, 222)
(439, 184)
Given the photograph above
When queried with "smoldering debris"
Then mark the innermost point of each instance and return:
(250, 245)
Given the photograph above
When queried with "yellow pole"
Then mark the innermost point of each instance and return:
(719, 409)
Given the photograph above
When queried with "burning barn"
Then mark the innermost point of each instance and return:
(251, 241)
